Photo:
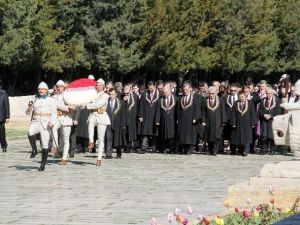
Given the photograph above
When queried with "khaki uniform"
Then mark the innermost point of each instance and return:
(44, 112)
(64, 122)
(99, 118)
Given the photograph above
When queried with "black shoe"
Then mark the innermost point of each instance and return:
(4, 149)
(72, 153)
(141, 151)
(244, 154)
(119, 156)
(108, 157)
(42, 168)
(32, 155)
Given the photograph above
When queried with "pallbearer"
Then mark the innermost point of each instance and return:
(99, 118)
(65, 115)
(243, 119)
(213, 118)
(44, 116)
(166, 120)
(189, 113)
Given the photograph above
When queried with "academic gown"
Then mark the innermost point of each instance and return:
(166, 115)
(266, 130)
(243, 119)
(132, 107)
(214, 117)
(147, 111)
(186, 113)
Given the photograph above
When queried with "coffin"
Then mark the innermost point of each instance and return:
(80, 92)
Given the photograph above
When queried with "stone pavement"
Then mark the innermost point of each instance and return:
(127, 191)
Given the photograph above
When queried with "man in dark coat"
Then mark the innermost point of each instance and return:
(189, 114)
(229, 102)
(166, 115)
(268, 108)
(131, 101)
(243, 120)
(82, 131)
(4, 116)
(255, 99)
(115, 133)
(213, 120)
(148, 106)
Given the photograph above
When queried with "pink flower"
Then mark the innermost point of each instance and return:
(246, 214)
(185, 221)
(153, 221)
(189, 210)
(170, 217)
(236, 209)
(272, 200)
(177, 212)
(248, 201)
(271, 189)
(200, 218)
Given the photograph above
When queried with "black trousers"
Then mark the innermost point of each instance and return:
(2, 135)
(145, 141)
(168, 145)
(213, 147)
(109, 141)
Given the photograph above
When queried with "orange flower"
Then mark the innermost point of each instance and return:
(179, 219)
(226, 203)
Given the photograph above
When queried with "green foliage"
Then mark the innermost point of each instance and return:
(119, 37)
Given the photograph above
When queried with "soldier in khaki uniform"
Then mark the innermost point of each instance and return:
(44, 115)
(64, 122)
(99, 118)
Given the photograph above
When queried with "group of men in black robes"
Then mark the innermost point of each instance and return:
(164, 118)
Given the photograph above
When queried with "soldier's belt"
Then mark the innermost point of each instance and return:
(100, 110)
(41, 114)
(38, 115)
(61, 113)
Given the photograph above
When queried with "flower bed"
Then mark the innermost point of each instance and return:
(262, 214)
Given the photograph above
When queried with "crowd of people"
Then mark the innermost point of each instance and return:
(161, 118)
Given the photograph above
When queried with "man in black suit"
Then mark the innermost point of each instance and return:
(4, 115)
(293, 97)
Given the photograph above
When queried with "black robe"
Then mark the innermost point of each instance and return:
(227, 130)
(214, 117)
(186, 113)
(132, 107)
(200, 128)
(147, 111)
(266, 130)
(82, 127)
(167, 120)
(242, 120)
(118, 119)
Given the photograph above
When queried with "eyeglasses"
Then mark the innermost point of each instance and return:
(126, 93)
(233, 90)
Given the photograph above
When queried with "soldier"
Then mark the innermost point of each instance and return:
(99, 118)
(64, 122)
(213, 120)
(189, 114)
(43, 119)
(115, 133)
(4, 116)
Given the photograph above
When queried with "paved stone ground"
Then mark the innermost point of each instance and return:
(127, 191)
